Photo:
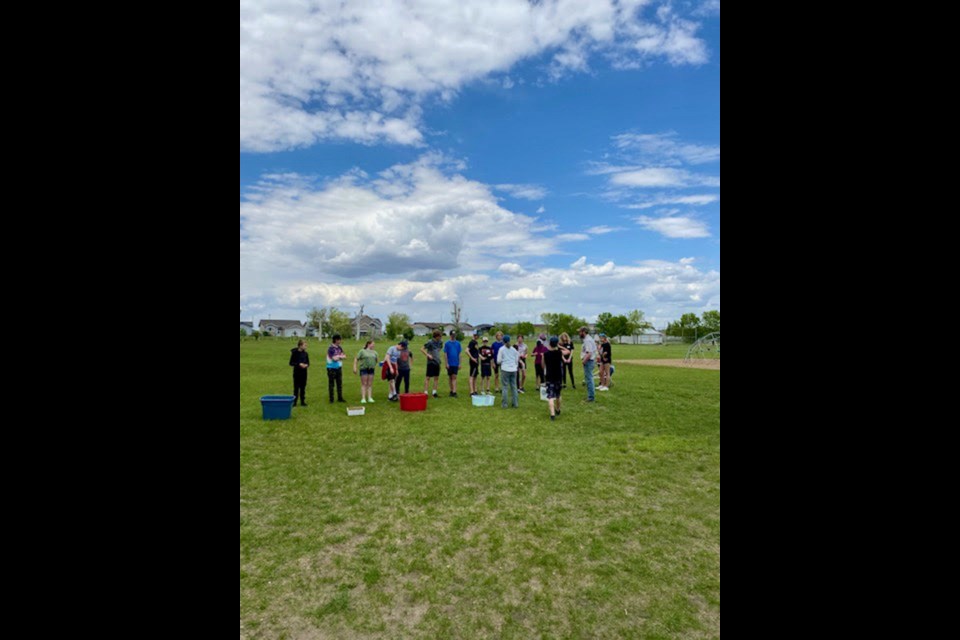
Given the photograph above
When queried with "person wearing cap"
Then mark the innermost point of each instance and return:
(606, 362)
(433, 352)
(553, 365)
(509, 361)
(452, 351)
(589, 358)
(486, 366)
(473, 350)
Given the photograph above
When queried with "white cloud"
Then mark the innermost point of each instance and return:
(572, 237)
(326, 69)
(539, 293)
(663, 178)
(665, 290)
(666, 201)
(602, 231)
(676, 227)
(541, 211)
(410, 219)
(524, 191)
(666, 149)
(512, 268)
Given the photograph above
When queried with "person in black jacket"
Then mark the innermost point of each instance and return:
(300, 361)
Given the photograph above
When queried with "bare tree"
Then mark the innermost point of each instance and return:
(457, 314)
(359, 318)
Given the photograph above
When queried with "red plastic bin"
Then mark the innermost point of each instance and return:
(413, 402)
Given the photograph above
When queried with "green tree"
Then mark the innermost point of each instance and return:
(339, 322)
(638, 323)
(617, 327)
(711, 322)
(603, 323)
(243, 333)
(398, 325)
(409, 334)
(689, 328)
(317, 320)
(559, 323)
(526, 329)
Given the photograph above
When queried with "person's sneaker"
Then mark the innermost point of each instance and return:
(553, 418)
(371, 401)
(522, 392)
(436, 396)
(342, 400)
(303, 404)
(363, 402)
(453, 395)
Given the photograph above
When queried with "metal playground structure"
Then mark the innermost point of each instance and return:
(705, 350)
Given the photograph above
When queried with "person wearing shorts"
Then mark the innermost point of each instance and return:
(452, 351)
(553, 363)
(366, 366)
(473, 350)
(433, 351)
(486, 366)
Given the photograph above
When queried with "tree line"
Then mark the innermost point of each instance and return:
(692, 327)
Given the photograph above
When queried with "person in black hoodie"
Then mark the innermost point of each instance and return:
(300, 361)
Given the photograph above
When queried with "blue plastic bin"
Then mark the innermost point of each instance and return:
(277, 407)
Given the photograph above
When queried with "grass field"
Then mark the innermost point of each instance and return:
(481, 523)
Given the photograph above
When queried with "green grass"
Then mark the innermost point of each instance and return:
(481, 523)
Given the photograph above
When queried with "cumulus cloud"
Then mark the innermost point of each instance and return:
(313, 70)
(406, 220)
(513, 269)
(539, 293)
(665, 290)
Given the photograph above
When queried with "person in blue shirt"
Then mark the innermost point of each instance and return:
(451, 352)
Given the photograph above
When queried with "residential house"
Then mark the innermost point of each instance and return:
(424, 329)
(283, 328)
(247, 326)
(369, 327)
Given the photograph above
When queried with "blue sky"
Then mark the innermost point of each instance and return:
(521, 157)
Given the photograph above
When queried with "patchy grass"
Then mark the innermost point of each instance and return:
(481, 523)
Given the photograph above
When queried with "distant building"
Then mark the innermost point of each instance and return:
(424, 329)
(369, 327)
(246, 326)
(652, 336)
(484, 328)
(283, 328)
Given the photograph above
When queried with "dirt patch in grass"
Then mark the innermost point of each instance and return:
(712, 365)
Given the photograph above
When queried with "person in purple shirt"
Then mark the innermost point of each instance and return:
(335, 358)
(539, 352)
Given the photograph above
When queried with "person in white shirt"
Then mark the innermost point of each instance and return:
(509, 361)
(589, 358)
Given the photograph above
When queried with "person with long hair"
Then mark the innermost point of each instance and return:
(365, 365)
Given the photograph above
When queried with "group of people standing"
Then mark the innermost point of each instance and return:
(504, 362)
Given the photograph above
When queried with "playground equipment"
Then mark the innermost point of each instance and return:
(705, 350)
